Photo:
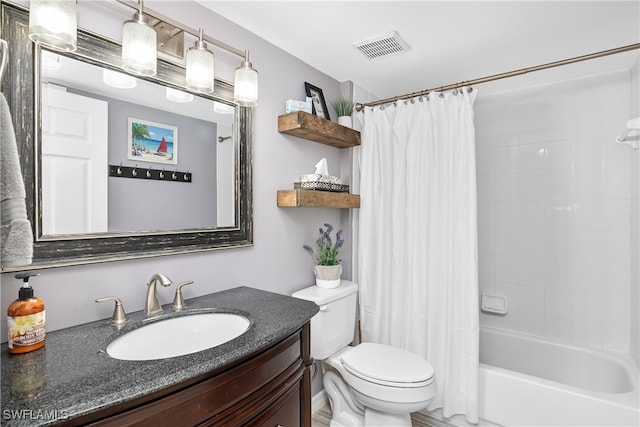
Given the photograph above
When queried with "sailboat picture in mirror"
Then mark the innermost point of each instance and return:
(152, 142)
(213, 212)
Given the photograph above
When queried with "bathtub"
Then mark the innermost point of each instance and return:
(528, 381)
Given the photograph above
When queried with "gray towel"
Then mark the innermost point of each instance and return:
(16, 235)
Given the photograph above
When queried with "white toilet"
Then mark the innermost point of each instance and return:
(377, 385)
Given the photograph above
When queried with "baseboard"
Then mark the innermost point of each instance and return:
(319, 401)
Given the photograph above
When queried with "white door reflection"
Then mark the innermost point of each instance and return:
(74, 163)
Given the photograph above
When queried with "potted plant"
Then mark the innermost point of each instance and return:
(344, 110)
(328, 268)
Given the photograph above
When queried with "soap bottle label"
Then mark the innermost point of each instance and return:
(25, 330)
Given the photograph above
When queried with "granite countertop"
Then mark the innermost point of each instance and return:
(73, 376)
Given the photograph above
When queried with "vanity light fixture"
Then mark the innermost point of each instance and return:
(199, 74)
(53, 23)
(176, 95)
(246, 77)
(245, 91)
(139, 45)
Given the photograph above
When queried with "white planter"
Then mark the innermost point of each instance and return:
(328, 276)
(345, 121)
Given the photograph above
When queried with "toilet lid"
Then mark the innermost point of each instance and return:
(388, 365)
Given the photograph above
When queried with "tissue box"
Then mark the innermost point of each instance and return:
(295, 105)
(322, 186)
(311, 177)
(316, 181)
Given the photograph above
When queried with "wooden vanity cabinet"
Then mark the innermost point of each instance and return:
(269, 388)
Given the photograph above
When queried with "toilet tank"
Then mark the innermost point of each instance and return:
(333, 326)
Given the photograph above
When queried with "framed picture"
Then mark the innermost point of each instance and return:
(152, 142)
(319, 105)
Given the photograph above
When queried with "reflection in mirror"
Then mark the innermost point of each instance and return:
(138, 217)
(94, 117)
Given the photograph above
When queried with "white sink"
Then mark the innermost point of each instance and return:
(178, 336)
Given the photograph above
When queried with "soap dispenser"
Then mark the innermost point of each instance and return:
(25, 319)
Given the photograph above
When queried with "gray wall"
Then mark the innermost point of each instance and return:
(139, 204)
(277, 261)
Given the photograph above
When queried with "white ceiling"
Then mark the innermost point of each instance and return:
(450, 41)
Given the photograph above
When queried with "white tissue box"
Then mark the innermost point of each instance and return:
(295, 105)
(310, 177)
(313, 177)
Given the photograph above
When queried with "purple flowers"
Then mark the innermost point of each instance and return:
(327, 253)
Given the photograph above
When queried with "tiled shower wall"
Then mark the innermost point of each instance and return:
(555, 209)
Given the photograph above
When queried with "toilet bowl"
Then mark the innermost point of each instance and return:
(389, 383)
(369, 384)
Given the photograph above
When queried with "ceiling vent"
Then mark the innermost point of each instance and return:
(385, 45)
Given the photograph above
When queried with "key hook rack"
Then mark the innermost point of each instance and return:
(120, 171)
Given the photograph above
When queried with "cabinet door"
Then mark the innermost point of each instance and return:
(285, 412)
(226, 399)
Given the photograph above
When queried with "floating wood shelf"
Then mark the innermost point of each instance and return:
(317, 199)
(308, 126)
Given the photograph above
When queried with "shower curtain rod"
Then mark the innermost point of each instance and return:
(360, 106)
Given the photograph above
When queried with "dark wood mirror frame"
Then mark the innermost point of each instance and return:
(20, 86)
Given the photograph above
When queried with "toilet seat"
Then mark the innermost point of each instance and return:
(387, 366)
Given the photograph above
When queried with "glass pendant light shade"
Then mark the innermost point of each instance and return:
(53, 23)
(176, 95)
(245, 91)
(139, 50)
(200, 71)
(118, 80)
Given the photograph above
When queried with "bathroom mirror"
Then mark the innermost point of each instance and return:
(96, 122)
(140, 217)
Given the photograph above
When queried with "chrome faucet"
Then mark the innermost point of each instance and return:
(153, 306)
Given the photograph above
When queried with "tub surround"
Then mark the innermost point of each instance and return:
(72, 376)
(529, 380)
(556, 214)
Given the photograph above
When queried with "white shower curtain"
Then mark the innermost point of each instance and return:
(417, 244)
